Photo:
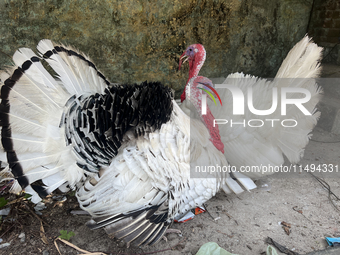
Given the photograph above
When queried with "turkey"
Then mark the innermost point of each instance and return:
(127, 150)
(262, 142)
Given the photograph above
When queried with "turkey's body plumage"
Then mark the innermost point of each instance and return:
(158, 164)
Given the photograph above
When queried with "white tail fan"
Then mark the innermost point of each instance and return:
(37, 101)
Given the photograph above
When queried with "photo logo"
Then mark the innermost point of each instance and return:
(204, 97)
(238, 100)
(280, 98)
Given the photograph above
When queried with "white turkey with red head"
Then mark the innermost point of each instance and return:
(246, 145)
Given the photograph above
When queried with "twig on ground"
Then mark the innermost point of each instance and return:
(206, 209)
(330, 192)
(36, 215)
(102, 253)
(15, 201)
(42, 234)
(231, 217)
(73, 246)
(7, 230)
(296, 210)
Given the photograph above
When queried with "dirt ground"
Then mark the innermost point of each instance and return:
(240, 224)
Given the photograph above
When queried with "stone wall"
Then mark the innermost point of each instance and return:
(133, 41)
(325, 21)
(325, 28)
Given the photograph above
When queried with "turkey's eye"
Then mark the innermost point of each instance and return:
(190, 49)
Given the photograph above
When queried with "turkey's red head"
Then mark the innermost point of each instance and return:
(195, 55)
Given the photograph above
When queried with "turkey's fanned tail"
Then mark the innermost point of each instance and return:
(299, 70)
(27, 105)
(32, 104)
(302, 61)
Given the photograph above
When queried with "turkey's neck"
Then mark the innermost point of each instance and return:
(194, 69)
(208, 120)
(214, 131)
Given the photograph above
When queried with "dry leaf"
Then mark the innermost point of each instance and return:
(42, 234)
(286, 230)
(288, 225)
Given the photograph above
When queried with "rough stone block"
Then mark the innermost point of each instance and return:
(333, 32)
(332, 39)
(336, 23)
(329, 14)
(328, 23)
(329, 116)
(318, 32)
(322, 15)
(336, 14)
(329, 105)
(330, 5)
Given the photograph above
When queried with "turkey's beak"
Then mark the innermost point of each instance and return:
(181, 60)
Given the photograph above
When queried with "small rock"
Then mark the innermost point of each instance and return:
(263, 184)
(4, 245)
(5, 212)
(60, 198)
(22, 237)
(180, 246)
(219, 208)
(121, 244)
(40, 206)
(45, 253)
